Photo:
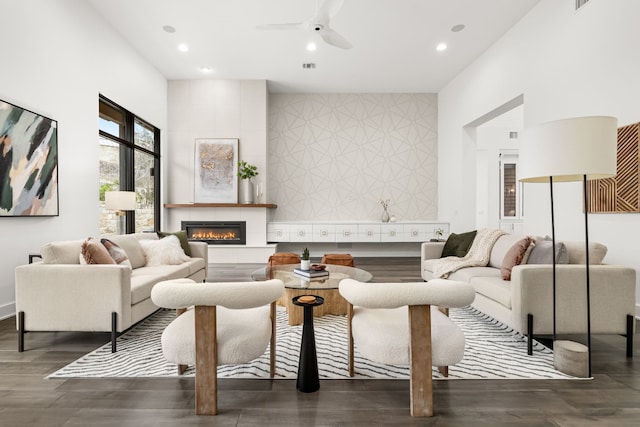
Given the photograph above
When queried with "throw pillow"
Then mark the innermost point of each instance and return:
(164, 251)
(93, 252)
(118, 254)
(458, 244)
(514, 257)
(182, 236)
(543, 250)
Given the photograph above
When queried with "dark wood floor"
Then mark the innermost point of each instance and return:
(612, 398)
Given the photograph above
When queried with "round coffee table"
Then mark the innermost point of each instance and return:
(326, 287)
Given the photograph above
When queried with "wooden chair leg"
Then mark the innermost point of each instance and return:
(421, 381)
(206, 361)
(272, 346)
(444, 370)
(181, 368)
(350, 338)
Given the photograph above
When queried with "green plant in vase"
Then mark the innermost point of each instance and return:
(305, 262)
(246, 171)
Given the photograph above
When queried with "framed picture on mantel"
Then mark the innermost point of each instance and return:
(216, 169)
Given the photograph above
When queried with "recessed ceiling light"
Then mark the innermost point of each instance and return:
(441, 47)
(311, 46)
(457, 28)
(169, 29)
(183, 47)
(206, 69)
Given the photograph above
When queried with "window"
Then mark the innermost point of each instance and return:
(129, 161)
(511, 200)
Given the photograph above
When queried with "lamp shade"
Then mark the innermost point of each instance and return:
(569, 149)
(120, 200)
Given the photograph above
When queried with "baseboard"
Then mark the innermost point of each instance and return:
(7, 310)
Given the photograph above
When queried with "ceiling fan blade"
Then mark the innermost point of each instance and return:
(287, 26)
(328, 10)
(335, 39)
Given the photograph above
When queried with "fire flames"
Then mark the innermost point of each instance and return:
(213, 235)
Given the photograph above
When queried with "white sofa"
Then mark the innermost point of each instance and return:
(61, 294)
(525, 302)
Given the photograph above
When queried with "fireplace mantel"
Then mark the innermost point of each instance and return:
(220, 205)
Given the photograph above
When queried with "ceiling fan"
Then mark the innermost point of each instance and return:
(319, 24)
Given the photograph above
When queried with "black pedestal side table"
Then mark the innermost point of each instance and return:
(308, 379)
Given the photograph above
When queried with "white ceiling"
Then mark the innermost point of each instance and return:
(394, 40)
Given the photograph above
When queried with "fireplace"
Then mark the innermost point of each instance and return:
(217, 232)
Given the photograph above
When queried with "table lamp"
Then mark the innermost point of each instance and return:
(120, 201)
(575, 149)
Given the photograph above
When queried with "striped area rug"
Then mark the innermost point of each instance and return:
(492, 351)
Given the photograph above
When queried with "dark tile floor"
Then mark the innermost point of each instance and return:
(612, 398)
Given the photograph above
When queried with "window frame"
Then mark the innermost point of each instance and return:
(128, 150)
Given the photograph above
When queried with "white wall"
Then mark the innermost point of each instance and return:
(334, 156)
(567, 64)
(58, 56)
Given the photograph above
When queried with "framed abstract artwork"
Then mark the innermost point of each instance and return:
(28, 163)
(621, 193)
(216, 171)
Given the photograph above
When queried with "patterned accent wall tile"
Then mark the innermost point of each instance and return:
(334, 156)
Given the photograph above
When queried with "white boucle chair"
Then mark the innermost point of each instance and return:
(224, 323)
(394, 323)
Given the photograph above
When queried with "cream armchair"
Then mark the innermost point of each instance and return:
(395, 323)
(225, 323)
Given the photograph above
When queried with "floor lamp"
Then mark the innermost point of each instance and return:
(576, 149)
(120, 201)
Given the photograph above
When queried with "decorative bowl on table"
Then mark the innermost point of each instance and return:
(318, 267)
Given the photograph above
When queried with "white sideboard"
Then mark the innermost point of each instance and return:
(365, 232)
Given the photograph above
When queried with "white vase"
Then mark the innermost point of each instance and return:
(385, 215)
(305, 264)
(246, 191)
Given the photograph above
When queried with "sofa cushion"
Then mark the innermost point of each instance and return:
(64, 252)
(576, 252)
(131, 245)
(541, 253)
(168, 272)
(118, 254)
(182, 237)
(493, 288)
(514, 256)
(141, 285)
(94, 252)
(501, 247)
(468, 273)
(458, 244)
(164, 251)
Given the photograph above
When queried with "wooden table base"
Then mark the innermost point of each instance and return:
(333, 303)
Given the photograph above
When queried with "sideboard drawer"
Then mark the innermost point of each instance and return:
(324, 233)
(277, 232)
(391, 233)
(301, 233)
(347, 233)
(369, 232)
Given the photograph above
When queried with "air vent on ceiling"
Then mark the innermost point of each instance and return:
(513, 135)
(308, 65)
(580, 3)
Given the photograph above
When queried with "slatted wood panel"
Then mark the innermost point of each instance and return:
(619, 194)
